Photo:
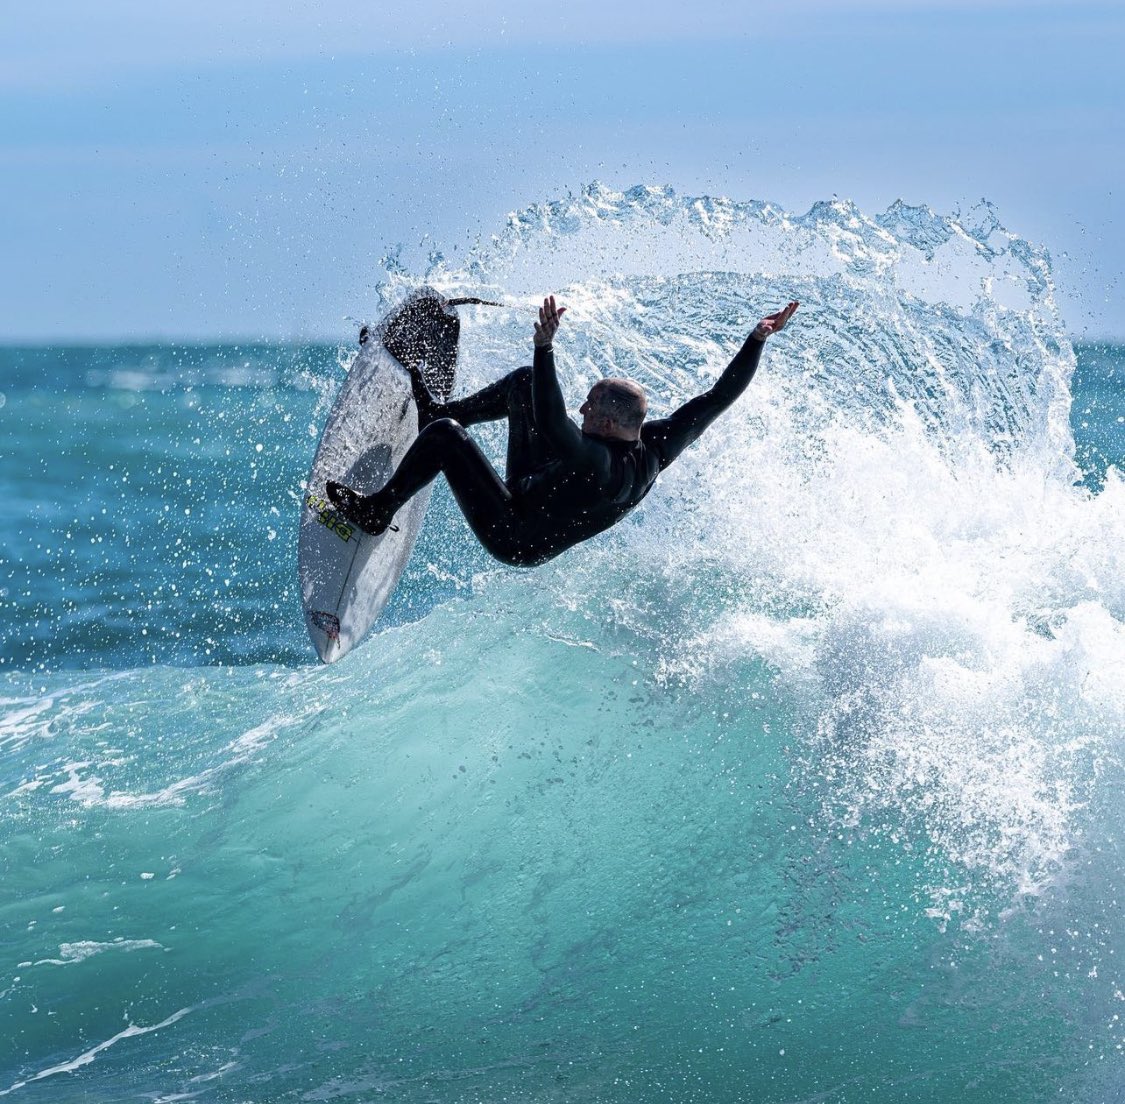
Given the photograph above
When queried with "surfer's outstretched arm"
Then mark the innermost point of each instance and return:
(493, 402)
(551, 419)
(668, 437)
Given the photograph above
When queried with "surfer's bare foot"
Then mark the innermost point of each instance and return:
(367, 513)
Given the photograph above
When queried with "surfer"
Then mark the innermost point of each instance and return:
(563, 483)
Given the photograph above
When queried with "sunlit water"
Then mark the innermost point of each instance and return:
(804, 783)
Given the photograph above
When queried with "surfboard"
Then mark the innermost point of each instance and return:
(347, 576)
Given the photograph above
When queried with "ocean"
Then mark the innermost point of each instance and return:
(802, 784)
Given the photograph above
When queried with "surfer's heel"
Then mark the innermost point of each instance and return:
(429, 409)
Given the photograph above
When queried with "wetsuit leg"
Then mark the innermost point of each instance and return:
(443, 446)
(508, 397)
(487, 405)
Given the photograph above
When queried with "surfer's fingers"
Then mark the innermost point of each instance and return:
(779, 318)
(549, 316)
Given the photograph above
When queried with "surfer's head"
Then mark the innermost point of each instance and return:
(425, 329)
(614, 408)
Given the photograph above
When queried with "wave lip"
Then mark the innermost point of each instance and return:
(828, 730)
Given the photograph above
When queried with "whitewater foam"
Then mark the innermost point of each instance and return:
(828, 732)
(888, 519)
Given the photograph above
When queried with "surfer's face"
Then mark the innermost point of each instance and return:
(592, 418)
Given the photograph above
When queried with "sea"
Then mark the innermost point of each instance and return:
(804, 783)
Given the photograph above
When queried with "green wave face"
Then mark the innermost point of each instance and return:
(801, 784)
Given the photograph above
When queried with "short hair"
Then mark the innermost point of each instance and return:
(622, 400)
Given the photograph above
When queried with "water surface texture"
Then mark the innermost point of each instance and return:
(804, 783)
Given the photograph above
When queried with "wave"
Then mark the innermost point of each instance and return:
(826, 734)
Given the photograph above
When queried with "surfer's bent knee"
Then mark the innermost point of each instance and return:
(445, 427)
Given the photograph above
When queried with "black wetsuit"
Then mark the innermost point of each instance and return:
(562, 486)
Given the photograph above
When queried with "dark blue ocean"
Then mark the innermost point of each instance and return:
(803, 784)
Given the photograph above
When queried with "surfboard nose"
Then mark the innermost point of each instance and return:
(324, 630)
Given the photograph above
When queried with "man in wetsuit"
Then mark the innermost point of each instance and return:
(563, 484)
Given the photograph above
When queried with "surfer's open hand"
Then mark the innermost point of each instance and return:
(774, 323)
(549, 318)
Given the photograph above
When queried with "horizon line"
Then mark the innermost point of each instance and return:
(137, 340)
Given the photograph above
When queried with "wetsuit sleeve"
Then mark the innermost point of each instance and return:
(551, 419)
(668, 437)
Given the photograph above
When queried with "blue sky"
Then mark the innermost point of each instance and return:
(202, 170)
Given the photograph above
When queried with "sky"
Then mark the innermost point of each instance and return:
(238, 170)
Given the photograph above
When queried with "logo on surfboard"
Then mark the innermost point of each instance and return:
(328, 517)
(328, 623)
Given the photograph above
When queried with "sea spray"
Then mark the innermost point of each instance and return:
(802, 782)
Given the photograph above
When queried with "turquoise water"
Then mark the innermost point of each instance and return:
(803, 784)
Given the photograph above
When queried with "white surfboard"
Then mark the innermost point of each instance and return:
(348, 576)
